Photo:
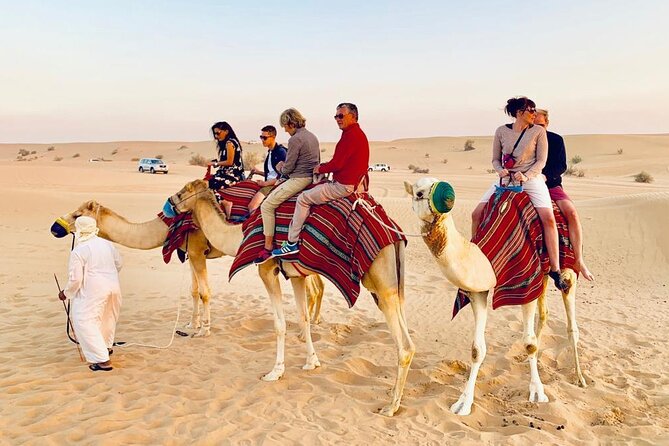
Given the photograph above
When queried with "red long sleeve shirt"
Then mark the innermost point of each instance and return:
(351, 157)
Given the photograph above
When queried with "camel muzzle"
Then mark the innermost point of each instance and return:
(60, 228)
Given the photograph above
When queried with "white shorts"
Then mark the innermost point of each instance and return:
(536, 189)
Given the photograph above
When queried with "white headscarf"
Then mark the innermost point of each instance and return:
(86, 228)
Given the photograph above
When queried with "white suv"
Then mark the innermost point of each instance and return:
(153, 165)
(379, 166)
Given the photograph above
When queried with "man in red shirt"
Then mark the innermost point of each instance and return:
(348, 165)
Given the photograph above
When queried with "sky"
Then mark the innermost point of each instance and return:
(167, 70)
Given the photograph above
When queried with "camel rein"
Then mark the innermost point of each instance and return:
(370, 210)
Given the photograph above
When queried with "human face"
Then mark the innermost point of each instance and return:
(344, 118)
(540, 119)
(220, 134)
(289, 129)
(527, 115)
(268, 140)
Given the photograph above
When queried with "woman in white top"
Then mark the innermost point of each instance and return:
(519, 153)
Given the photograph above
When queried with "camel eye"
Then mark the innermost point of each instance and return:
(419, 195)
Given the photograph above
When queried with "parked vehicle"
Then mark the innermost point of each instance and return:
(383, 167)
(152, 165)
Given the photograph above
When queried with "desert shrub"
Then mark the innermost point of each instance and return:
(427, 155)
(33, 152)
(469, 145)
(573, 171)
(490, 170)
(576, 159)
(250, 159)
(134, 159)
(182, 148)
(114, 152)
(24, 152)
(323, 150)
(159, 157)
(643, 177)
(50, 149)
(419, 170)
(620, 151)
(76, 155)
(20, 158)
(411, 167)
(58, 158)
(198, 160)
(470, 168)
(444, 161)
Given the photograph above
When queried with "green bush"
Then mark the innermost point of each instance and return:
(577, 159)
(198, 160)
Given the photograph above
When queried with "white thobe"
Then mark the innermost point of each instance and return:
(95, 291)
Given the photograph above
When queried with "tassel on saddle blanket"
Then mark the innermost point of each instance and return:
(511, 237)
(337, 242)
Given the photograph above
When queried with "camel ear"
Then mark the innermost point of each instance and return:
(408, 187)
(90, 205)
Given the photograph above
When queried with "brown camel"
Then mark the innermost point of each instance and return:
(151, 234)
(385, 280)
(466, 267)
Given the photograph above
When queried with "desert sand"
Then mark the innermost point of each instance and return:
(208, 391)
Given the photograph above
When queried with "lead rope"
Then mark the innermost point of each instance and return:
(370, 210)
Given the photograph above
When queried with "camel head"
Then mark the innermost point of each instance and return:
(184, 200)
(63, 225)
(430, 197)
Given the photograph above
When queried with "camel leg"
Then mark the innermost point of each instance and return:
(543, 311)
(315, 288)
(537, 394)
(198, 264)
(266, 271)
(393, 311)
(195, 294)
(479, 303)
(299, 289)
(569, 299)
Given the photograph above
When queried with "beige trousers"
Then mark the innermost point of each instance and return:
(320, 194)
(280, 194)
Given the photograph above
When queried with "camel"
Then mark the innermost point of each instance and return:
(151, 234)
(385, 280)
(465, 266)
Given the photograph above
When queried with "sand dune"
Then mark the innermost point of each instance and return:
(207, 391)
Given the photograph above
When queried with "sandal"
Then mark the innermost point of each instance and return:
(98, 367)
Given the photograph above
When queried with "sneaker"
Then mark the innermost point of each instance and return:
(265, 255)
(287, 248)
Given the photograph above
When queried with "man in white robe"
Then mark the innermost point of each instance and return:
(95, 291)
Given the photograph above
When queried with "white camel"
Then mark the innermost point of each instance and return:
(385, 280)
(151, 234)
(465, 266)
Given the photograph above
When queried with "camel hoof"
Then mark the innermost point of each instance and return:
(388, 411)
(311, 364)
(192, 325)
(580, 381)
(537, 394)
(202, 333)
(302, 337)
(463, 406)
(274, 375)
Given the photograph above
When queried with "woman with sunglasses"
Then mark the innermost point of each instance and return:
(229, 163)
(519, 153)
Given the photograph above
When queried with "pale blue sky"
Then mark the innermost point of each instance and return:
(166, 70)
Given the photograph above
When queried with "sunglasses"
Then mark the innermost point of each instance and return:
(264, 138)
(217, 132)
(531, 110)
(340, 116)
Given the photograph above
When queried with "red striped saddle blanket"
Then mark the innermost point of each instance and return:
(239, 195)
(511, 237)
(179, 227)
(337, 241)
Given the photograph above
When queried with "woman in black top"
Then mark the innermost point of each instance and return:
(229, 163)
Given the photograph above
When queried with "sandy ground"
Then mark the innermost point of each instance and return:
(208, 391)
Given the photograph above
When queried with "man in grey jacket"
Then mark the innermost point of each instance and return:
(302, 157)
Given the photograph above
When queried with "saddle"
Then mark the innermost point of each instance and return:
(511, 237)
(339, 240)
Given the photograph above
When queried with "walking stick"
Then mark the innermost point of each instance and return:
(69, 322)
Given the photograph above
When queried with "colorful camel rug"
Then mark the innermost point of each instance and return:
(239, 195)
(179, 227)
(337, 241)
(511, 237)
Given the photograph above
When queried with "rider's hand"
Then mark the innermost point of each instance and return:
(519, 176)
(503, 173)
